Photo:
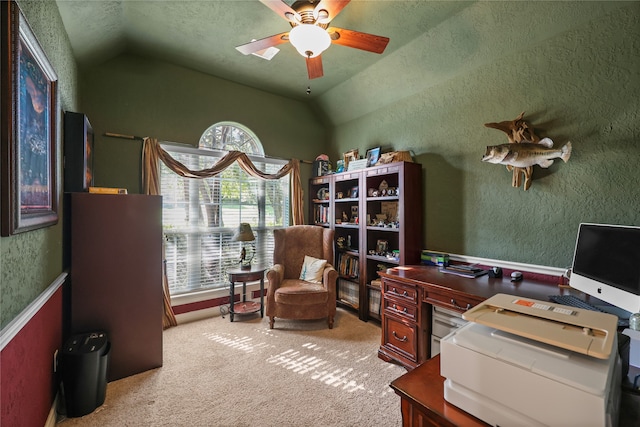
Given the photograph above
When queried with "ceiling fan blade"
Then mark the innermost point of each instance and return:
(332, 7)
(314, 67)
(264, 43)
(283, 10)
(358, 40)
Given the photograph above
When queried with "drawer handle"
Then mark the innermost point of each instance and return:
(404, 293)
(395, 307)
(455, 304)
(403, 339)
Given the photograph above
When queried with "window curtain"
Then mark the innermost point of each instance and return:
(152, 152)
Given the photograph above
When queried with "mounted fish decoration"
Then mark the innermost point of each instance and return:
(524, 150)
(525, 154)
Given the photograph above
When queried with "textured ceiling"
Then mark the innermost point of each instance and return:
(202, 35)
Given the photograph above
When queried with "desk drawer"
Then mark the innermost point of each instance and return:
(401, 338)
(453, 302)
(400, 291)
(399, 309)
(441, 327)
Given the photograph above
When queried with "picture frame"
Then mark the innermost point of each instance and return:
(78, 152)
(28, 130)
(348, 156)
(373, 155)
(354, 215)
(353, 193)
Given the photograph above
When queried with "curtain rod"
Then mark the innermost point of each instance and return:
(139, 138)
(119, 135)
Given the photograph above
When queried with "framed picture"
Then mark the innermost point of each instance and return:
(348, 156)
(29, 128)
(373, 155)
(353, 193)
(382, 246)
(78, 152)
(354, 214)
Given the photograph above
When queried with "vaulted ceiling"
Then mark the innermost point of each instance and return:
(202, 35)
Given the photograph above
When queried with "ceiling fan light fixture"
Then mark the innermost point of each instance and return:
(309, 40)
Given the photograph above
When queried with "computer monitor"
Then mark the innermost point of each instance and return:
(606, 264)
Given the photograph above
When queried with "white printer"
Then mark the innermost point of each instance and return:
(523, 362)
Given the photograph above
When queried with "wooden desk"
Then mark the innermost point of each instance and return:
(408, 293)
(407, 296)
(422, 401)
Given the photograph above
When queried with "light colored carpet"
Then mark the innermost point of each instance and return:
(218, 373)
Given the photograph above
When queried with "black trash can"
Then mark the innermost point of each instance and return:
(83, 362)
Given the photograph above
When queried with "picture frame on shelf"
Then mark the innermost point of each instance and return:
(382, 246)
(349, 156)
(29, 129)
(390, 210)
(354, 214)
(353, 193)
(373, 155)
(78, 152)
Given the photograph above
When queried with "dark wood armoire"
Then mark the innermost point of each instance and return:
(116, 276)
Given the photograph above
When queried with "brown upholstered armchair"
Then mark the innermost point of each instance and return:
(289, 297)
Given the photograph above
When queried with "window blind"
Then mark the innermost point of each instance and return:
(200, 217)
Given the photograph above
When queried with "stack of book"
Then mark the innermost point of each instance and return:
(464, 270)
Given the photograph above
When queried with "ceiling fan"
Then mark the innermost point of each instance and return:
(311, 34)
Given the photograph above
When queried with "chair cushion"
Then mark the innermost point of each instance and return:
(300, 292)
(312, 269)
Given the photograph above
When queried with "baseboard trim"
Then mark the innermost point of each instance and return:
(52, 418)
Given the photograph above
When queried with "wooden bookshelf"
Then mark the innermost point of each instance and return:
(352, 204)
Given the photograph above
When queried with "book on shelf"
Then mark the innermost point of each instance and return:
(321, 214)
(348, 265)
(107, 190)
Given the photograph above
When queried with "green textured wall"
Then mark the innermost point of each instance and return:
(136, 96)
(573, 67)
(30, 261)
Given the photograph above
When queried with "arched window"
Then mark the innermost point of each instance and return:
(231, 136)
(200, 216)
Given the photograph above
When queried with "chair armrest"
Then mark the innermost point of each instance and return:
(329, 279)
(275, 275)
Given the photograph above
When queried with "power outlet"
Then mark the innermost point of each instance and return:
(55, 361)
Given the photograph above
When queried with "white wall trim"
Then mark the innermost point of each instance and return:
(21, 320)
(532, 268)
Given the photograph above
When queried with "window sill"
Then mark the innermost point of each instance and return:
(199, 296)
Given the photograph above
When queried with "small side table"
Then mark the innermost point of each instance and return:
(244, 276)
